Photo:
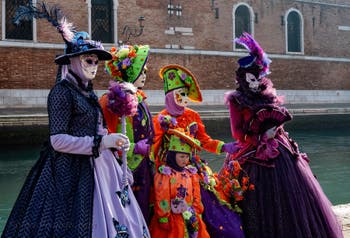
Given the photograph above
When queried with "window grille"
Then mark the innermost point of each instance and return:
(102, 20)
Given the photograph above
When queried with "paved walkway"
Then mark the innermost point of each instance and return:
(343, 214)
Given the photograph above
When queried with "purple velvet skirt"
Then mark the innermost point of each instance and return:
(220, 220)
(287, 201)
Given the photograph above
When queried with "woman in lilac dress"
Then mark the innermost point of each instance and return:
(287, 200)
(75, 189)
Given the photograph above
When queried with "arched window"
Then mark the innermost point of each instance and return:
(102, 20)
(242, 22)
(294, 33)
(23, 31)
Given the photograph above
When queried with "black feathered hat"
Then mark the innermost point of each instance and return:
(77, 43)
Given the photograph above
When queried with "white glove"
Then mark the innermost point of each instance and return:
(115, 140)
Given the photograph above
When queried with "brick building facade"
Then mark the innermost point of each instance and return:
(200, 37)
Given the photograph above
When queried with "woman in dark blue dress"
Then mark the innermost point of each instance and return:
(74, 188)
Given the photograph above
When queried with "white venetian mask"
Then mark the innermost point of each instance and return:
(253, 82)
(89, 64)
(141, 80)
(181, 96)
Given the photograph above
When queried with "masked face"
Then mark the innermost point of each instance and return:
(253, 82)
(89, 64)
(181, 97)
(140, 81)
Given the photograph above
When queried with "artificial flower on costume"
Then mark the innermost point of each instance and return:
(166, 122)
(127, 62)
(191, 222)
(234, 182)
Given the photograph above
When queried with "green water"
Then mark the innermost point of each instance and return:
(326, 140)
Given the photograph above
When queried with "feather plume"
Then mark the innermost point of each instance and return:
(54, 15)
(255, 50)
(66, 29)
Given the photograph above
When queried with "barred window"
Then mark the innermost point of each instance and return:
(23, 31)
(102, 20)
(242, 23)
(294, 32)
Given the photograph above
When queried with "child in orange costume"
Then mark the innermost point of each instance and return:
(180, 86)
(178, 207)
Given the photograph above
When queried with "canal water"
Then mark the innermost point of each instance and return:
(326, 140)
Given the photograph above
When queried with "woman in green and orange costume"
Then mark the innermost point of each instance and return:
(180, 86)
(129, 65)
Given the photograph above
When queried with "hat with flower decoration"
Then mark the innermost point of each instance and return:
(182, 142)
(77, 43)
(176, 76)
(127, 62)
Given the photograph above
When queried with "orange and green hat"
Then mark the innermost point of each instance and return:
(182, 142)
(176, 76)
(127, 62)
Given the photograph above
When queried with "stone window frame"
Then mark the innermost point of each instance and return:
(3, 25)
(251, 22)
(301, 27)
(114, 21)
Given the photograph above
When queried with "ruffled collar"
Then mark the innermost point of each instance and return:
(167, 170)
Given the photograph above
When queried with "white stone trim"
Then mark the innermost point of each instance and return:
(240, 54)
(35, 31)
(301, 30)
(3, 20)
(88, 2)
(183, 29)
(38, 97)
(323, 3)
(169, 50)
(344, 28)
(188, 47)
(115, 21)
(30, 44)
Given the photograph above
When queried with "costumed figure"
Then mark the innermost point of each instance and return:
(180, 86)
(178, 207)
(74, 188)
(129, 65)
(287, 200)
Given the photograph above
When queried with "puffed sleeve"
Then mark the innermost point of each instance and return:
(162, 197)
(59, 106)
(111, 119)
(158, 138)
(207, 142)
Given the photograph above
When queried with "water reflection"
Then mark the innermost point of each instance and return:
(327, 148)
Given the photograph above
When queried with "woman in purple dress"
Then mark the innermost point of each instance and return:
(287, 200)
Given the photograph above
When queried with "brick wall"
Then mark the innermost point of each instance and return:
(324, 65)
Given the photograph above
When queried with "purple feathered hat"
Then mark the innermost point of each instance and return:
(256, 56)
